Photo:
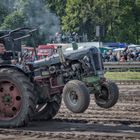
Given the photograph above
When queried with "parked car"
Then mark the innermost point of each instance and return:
(134, 47)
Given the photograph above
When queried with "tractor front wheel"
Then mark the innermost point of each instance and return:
(108, 96)
(76, 96)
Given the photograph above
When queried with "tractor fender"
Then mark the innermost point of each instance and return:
(16, 67)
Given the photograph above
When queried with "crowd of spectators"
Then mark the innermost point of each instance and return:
(127, 55)
(108, 56)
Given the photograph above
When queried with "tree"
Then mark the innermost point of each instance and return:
(38, 16)
(13, 20)
(85, 16)
(34, 14)
(120, 19)
(71, 22)
(6, 7)
(129, 21)
(57, 6)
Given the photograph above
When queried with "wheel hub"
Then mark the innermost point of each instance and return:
(7, 99)
(10, 100)
(104, 95)
(73, 97)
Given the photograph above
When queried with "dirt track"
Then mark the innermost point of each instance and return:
(119, 123)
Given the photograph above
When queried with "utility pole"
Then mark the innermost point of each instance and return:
(98, 34)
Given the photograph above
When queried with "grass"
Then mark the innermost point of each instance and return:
(122, 75)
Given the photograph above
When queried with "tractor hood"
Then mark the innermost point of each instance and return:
(68, 55)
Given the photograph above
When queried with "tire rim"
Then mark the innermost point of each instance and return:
(73, 97)
(103, 96)
(10, 100)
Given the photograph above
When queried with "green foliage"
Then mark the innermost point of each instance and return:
(31, 13)
(120, 18)
(71, 22)
(84, 16)
(5, 9)
(57, 6)
(129, 21)
(13, 20)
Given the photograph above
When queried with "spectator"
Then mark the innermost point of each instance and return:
(138, 58)
(126, 55)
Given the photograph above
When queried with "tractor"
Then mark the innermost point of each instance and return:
(34, 90)
(44, 51)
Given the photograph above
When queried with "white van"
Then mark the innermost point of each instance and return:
(134, 47)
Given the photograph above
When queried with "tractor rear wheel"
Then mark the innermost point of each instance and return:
(49, 109)
(108, 96)
(76, 96)
(16, 98)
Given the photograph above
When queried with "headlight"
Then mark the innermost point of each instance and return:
(52, 69)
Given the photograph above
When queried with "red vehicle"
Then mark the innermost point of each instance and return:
(44, 51)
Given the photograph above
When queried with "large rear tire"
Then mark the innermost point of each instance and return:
(76, 96)
(16, 98)
(109, 95)
(48, 110)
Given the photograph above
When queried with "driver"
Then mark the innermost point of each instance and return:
(2, 51)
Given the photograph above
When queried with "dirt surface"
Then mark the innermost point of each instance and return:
(121, 122)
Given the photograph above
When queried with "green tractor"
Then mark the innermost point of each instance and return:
(34, 90)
